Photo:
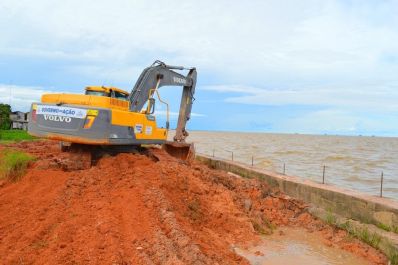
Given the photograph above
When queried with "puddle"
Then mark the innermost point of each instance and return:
(297, 246)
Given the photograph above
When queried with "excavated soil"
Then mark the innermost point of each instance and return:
(143, 209)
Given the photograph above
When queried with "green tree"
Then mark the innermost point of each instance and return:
(5, 121)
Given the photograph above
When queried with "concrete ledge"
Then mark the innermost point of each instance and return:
(380, 213)
(347, 203)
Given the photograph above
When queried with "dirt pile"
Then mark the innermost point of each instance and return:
(142, 209)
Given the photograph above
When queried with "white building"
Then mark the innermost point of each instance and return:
(19, 120)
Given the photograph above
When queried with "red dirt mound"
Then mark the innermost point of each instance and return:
(141, 209)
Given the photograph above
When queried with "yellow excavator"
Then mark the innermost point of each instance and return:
(113, 118)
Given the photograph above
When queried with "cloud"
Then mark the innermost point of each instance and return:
(377, 99)
(289, 38)
(174, 114)
(340, 56)
(21, 97)
(333, 121)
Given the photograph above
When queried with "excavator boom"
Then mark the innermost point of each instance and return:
(157, 75)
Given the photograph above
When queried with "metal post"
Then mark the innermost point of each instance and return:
(284, 168)
(323, 175)
(381, 184)
(252, 161)
(232, 154)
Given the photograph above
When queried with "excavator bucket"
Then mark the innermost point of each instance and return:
(183, 151)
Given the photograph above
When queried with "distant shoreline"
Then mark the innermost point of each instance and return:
(284, 133)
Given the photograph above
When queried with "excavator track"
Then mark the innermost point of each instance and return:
(80, 156)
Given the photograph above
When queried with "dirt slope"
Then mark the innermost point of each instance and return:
(142, 209)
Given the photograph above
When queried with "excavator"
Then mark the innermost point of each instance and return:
(109, 117)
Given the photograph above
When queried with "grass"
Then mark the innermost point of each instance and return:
(393, 256)
(347, 226)
(388, 228)
(264, 227)
(330, 218)
(384, 227)
(13, 164)
(259, 228)
(267, 223)
(371, 239)
(14, 136)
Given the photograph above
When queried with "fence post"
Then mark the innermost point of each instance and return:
(323, 175)
(381, 184)
(284, 168)
(252, 161)
(213, 152)
(232, 154)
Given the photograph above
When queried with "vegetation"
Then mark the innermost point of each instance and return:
(264, 226)
(14, 135)
(372, 239)
(266, 222)
(384, 227)
(5, 121)
(259, 228)
(388, 228)
(393, 256)
(13, 164)
(347, 226)
(330, 218)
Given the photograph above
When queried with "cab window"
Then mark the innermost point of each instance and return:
(121, 96)
(97, 93)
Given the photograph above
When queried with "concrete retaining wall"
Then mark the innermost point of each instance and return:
(379, 212)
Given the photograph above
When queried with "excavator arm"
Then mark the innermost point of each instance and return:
(157, 75)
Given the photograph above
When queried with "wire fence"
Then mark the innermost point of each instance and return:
(284, 167)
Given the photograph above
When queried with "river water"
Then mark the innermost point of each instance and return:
(353, 162)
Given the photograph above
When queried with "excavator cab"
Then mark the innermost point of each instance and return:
(103, 91)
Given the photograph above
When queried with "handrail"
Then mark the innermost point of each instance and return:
(151, 92)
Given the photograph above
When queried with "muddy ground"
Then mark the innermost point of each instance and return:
(143, 209)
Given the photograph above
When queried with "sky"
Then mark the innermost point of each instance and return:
(317, 67)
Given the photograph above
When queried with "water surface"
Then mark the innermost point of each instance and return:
(297, 246)
(351, 162)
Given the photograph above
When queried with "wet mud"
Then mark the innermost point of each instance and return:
(296, 245)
